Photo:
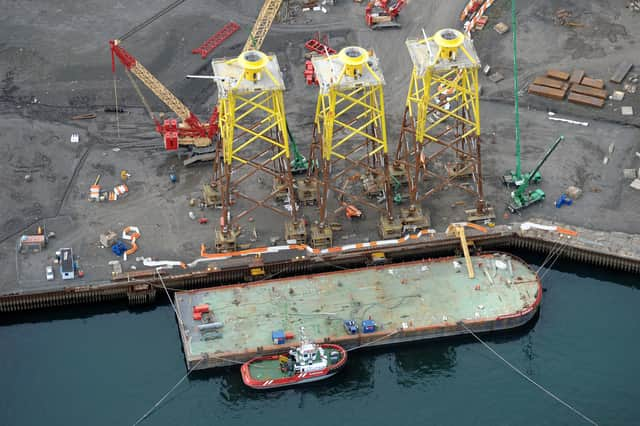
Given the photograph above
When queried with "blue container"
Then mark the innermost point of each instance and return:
(368, 326)
(118, 248)
(350, 327)
(278, 337)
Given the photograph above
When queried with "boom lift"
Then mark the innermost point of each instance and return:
(190, 131)
(379, 14)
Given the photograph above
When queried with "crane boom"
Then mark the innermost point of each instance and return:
(457, 229)
(262, 25)
(150, 81)
(190, 131)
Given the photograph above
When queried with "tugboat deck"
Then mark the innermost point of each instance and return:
(408, 301)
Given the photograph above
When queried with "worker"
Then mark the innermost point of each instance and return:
(124, 175)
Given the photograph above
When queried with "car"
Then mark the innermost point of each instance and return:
(49, 271)
(350, 327)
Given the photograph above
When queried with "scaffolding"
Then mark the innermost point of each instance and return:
(254, 144)
(439, 144)
(349, 146)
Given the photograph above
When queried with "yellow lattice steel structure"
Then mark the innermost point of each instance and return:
(350, 136)
(253, 135)
(440, 137)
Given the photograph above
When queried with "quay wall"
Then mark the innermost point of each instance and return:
(615, 251)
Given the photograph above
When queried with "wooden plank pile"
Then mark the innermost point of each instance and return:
(582, 90)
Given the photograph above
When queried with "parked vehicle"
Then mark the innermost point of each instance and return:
(49, 271)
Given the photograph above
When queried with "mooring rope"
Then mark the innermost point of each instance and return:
(549, 255)
(170, 300)
(554, 260)
(374, 341)
(148, 413)
(548, 392)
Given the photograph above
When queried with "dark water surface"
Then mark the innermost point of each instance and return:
(109, 368)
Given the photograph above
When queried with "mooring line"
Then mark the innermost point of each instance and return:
(555, 259)
(148, 413)
(170, 300)
(374, 341)
(552, 395)
(549, 256)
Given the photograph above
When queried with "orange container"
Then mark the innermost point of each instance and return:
(289, 335)
(201, 308)
(197, 316)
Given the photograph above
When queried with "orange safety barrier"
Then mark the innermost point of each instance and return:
(566, 231)
(131, 233)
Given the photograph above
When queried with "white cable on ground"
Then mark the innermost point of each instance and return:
(148, 413)
(576, 411)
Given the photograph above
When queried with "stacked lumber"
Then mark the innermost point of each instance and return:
(553, 85)
(587, 91)
(582, 90)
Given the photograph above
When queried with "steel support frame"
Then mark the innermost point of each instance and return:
(253, 139)
(442, 116)
(349, 138)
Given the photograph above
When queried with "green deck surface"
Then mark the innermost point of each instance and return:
(416, 294)
(266, 370)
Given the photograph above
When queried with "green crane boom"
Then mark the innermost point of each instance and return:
(522, 198)
(518, 173)
(299, 163)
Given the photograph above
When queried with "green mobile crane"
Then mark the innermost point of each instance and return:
(520, 197)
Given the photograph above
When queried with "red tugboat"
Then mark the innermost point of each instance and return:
(308, 362)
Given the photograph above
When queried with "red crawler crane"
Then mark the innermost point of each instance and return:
(378, 14)
(190, 131)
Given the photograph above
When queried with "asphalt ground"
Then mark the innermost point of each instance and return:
(55, 63)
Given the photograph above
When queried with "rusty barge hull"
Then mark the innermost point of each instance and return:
(410, 301)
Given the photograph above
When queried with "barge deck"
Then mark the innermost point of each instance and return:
(408, 301)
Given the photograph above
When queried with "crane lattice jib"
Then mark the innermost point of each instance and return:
(154, 84)
(262, 25)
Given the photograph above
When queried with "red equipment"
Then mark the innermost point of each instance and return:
(378, 14)
(310, 73)
(216, 39)
(317, 46)
(190, 131)
(470, 9)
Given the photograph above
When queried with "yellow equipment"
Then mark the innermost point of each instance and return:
(457, 229)
(263, 23)
(440, 135)
(253, 137)
(350, 134)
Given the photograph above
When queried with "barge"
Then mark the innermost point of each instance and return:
(386, 304)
